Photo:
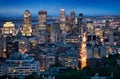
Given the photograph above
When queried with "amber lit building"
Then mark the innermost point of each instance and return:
(91, 27)
(27, 27)
(8, 29)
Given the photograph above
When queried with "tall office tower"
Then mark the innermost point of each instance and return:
(27, 27)
(56, 29)
(108, 34)
(41, 28)
(82, 53)
(81, 28)
(80, 18)
(68, 27)
(106, 29)
(62, 21)
(107, 25)
(48, 32)
(8, 29)
(90, 26)
(72, 20)
(51, 35)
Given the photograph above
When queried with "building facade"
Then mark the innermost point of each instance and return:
(27, 27)
(41, 28)
(8, 29)
(21, 64)
(62, 21)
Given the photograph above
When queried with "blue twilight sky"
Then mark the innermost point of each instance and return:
(88, 7)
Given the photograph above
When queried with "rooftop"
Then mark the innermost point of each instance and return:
(8, 24)
(19, 57)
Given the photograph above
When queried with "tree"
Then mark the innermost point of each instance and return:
(33, 76)
(73, 74)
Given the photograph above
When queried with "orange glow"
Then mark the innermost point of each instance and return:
(23, 51)
(82, 53)
(4, 55)
(110, 50)
(102, 40)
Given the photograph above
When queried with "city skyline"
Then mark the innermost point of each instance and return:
(10, 8)
(59, 39)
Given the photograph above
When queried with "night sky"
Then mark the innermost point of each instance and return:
(87, 7)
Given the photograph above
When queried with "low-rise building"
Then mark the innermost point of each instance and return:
(2, 68)
(21, 64)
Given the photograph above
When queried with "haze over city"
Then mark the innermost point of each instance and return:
(88, 7)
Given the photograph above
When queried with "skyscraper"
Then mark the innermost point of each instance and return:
(56, 29)
(42, 17)
(8, 29)
(48, 32)
(72, 20)
(81, 28)
(62, 21)
(107, 25)
(27, 27)
(80, 18)
(41, 28)
(90, 26)
(108, 33)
